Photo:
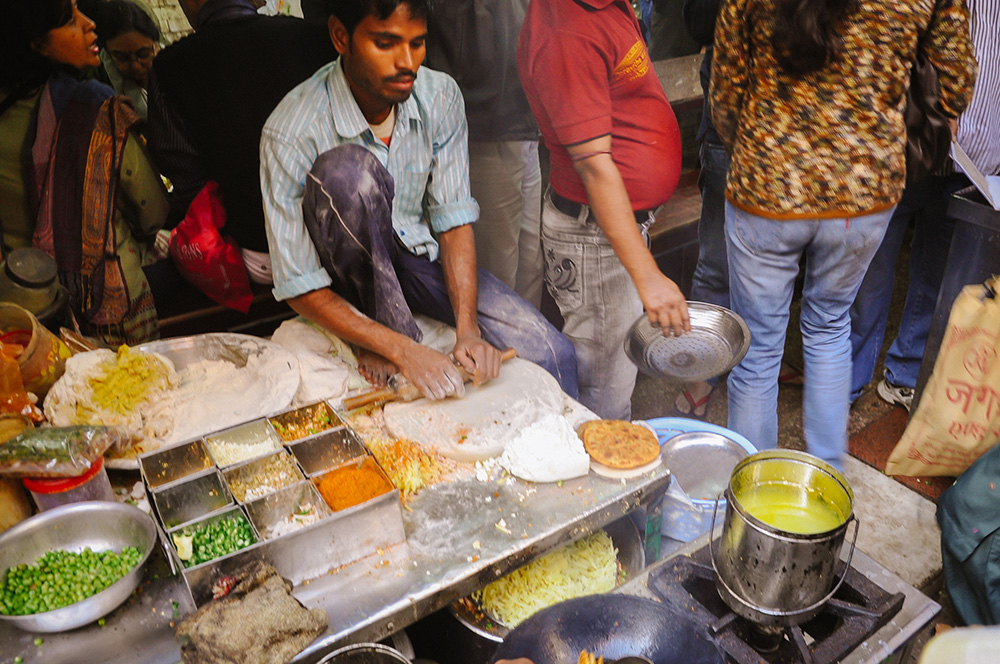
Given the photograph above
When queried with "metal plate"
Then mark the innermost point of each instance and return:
(717, 342)
(100, 525)
(236, 349)
(624, 536)
(701, 462)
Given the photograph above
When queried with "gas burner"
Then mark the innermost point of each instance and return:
(857, 610)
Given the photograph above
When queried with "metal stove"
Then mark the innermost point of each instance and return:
(873, 616)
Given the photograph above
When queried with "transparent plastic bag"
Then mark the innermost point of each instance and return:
(58, 451)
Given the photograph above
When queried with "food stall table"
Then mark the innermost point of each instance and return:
(461, 534)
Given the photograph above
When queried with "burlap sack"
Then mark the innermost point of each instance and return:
(958, 417)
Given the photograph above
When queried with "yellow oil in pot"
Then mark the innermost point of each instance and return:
(792, 509)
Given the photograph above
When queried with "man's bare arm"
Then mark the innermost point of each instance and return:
(458, 261)
(432, 372)
(662, 299)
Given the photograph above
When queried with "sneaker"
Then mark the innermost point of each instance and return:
(899, 396)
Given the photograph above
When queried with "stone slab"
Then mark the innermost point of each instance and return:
(898, 528)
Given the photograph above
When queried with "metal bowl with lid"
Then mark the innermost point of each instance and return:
(718, 340)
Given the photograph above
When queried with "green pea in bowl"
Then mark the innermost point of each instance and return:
(97, 525)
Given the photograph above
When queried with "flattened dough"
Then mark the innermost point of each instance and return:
(479, 425)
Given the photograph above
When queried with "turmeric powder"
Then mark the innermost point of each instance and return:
(352, 484)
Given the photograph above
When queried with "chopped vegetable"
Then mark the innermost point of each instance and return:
(213, 539)
(408, 467)
(60, 578)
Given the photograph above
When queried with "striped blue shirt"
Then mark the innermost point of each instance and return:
(428, 160)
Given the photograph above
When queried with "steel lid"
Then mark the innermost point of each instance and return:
(702, 462)
(718, 340)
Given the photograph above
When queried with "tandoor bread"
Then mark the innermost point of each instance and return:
(618, 444)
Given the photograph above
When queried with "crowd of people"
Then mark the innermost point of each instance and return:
(380, 159)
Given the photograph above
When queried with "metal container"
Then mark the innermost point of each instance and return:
(173, 463)
(241, 477)
(772, 576)
(182, 494)
(302, 423)
(242, 443)
(102, 526)
(701, 461)
(327, 450)
(717, 342)
(269, 511)
(365, 653)
(192, 499)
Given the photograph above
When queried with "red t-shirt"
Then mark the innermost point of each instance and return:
(587, 74)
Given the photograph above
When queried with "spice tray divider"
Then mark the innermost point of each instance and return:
(181, 501)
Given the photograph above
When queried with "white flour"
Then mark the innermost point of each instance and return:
(215, 394)
(547, 451)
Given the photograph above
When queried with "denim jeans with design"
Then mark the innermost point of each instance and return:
(598, 303)
(925, 206)
(764, 257)
(347, 209)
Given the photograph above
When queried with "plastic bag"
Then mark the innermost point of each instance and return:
(210, 262)
(58, 451)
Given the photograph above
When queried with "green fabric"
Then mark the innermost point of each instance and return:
(14, 213)
(969, 516)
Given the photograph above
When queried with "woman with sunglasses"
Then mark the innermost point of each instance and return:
(75, 180)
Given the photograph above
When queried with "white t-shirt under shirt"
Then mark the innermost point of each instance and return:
(383, 131)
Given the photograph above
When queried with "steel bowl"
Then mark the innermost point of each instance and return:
(718, 340)
(100, 525)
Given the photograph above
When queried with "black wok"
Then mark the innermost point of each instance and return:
(612, 626)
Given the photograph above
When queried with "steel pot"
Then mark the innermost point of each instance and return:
(365, 653)
(766, 570)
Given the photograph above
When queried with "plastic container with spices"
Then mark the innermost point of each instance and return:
(92, 485)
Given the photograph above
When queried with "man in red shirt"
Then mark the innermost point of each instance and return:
(616, 157)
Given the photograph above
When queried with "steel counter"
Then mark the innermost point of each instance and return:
(461, 534)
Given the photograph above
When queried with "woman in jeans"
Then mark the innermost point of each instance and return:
(807, 96)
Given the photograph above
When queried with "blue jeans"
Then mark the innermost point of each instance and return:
(764, 257)
(598, 303)
(711, 275)
(925, 206)
(347, 206)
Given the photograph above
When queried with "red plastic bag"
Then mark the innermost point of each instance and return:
(212, 263)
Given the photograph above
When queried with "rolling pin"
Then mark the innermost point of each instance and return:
(400, 389)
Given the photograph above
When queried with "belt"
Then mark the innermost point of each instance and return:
(572, 208)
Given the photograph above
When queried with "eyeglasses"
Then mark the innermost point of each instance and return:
(140, 55)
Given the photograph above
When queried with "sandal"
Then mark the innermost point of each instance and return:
(695, 405)
(789, 375)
